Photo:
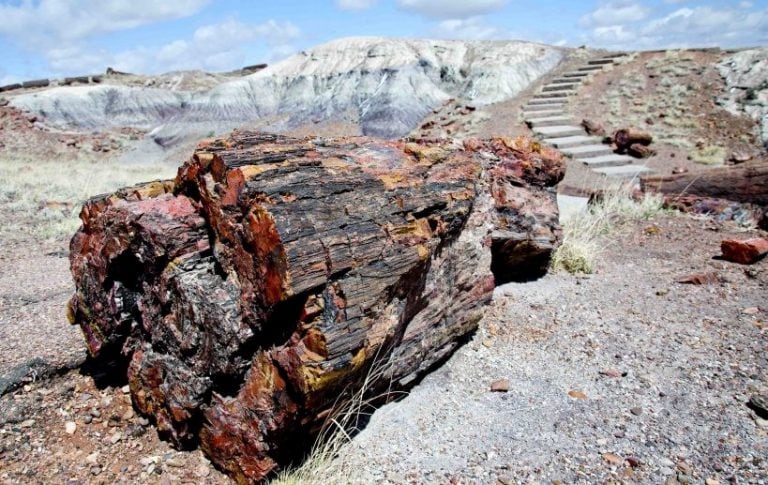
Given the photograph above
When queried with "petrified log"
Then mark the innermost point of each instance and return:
(627, 137)
(746, 183)
(263, 284)
(593, 128)
(640, 151)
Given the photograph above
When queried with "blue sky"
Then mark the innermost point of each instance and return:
(54, 38)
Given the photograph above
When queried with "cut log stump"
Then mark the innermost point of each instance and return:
(260, 287)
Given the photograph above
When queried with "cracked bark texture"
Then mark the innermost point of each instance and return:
(264, 283)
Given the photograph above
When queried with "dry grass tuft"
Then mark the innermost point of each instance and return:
(41, 199)
(322, 465)
(584, 232)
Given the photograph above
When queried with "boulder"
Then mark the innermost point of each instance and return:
(274, 276)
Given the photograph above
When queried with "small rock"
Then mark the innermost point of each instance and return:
(174, 463)
(637, 411)
(700, 279)
(612, 373)
(577, 394)
(748, 251)
(634, 461)
(202, 470)
(27, 423)
(70, 427)
(93, 458)
(500, 385)
(95, 470)
(711, 481)
(87, 419)
(127, 415)
(95, 413)
(125, 389)
(751, 311)
(115, 437)
(759, 404)
(613, 459)
(143, 421)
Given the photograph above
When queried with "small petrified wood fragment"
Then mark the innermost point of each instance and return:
(263, 283)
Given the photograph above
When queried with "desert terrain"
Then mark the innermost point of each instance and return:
(614, 371)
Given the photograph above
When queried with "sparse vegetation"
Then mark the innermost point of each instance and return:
(42, 199)
(584, 233)
(321, 466)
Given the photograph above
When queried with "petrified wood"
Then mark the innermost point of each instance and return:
(262, 285)
(746, 183)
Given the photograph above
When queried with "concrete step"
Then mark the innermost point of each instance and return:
(610, 160)
(600, 62)
(573, 141)
(570, 206)
(626, 171)
(588, 151)
(559, 131)
(590, 68)
(549, 121)
(614, 55)
(538, 102)
(566, 80)
(543, 113)
(576, 74)
(558, 94)
(559, 87)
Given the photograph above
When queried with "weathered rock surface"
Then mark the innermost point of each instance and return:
(263, 284)
(384, 86)
(748, 251)
(746, 78)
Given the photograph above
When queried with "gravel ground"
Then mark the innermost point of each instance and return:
(623, 376)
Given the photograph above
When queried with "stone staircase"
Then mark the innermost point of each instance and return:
(547, 115)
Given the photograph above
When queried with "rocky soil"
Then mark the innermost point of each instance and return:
(624, 376)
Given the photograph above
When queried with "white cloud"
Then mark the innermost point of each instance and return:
(615, 13)
(49, 23)
(473, 28)
(451, 9)
(355, 4)
(706, 25)
(686, 27)
(214, 47)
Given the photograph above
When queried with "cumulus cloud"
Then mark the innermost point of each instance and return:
(615, 13)
(355, 4)
(46, 23)
(451, 9)
(213, 47)
(472, 28)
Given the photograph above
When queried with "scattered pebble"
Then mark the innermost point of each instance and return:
(500, 385)
(70, 427)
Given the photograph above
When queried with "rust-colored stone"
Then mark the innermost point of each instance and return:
(748, 251)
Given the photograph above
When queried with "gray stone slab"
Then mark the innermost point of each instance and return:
(548, 101)
(563, 94)
(558, 87)
(573, 141)
(584, 151)
(576, 74)
(567, 80)
(626, 171)
(610, 160)
(539, 122)
(590, 68)
(569, 205)
(545, 113)
(559, 131)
